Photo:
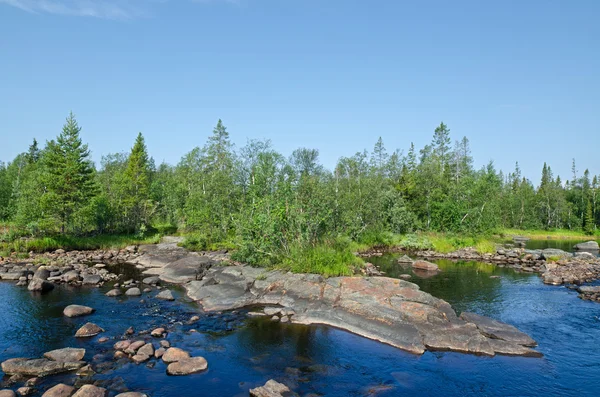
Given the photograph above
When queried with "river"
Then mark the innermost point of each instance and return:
(245, 352)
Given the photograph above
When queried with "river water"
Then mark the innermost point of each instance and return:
(245, 352)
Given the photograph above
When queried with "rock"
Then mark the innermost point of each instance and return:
(122, 345)
(405, 276)
(70, 276)
(103, 339)
(272, 389)
(174, 354)
(40, 285)
(114, 292)
(146, 350)
(496, 330)
(39, 367)
(587, 246)
(187, 366)
(88, 330)
(158, 332)
(272, 311)
(90, 391)
(193, 319)
(25, 391)
(165, 344)
(589, 289)
(165, 295)
(133, 292)
(42, 273)
(405, 260)
(552, 279)
(68, 354)
(8, 393)
(153, 280)
(556, 253)
(131, 394)
(60, 390)
(424, 265)
(134, 346)
(92, 279)
(588, 256)
(77, 310)
(388, 310)
(159, 352)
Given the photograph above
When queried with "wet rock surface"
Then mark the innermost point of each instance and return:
(77, 310)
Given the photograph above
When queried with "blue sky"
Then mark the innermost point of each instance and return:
(519, 78)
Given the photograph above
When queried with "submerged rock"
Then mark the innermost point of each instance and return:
(187, 366)
(60, 390)
(131, 394)
(496, 330)
(272, 389)
(77, 310)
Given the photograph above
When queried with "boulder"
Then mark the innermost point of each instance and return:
(587, 246)
(153, 280)
(272, 389)
(7, 393)
(77, 310)
(92, 279)
(68, 354)
(174, 354)
(60, 390)
(587, 289)
(91, 391)
(134, 346)
(165, 295)
(131, 394)
(114, 292)
(25, 390)
(187, 366)
(133, 292)
(424, 265)
(146, 350)
(158, 332)
(39, 367)
(405, 260)
(88, 330)
(39, 285)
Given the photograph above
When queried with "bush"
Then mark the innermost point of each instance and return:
(324, 259)
(415, 242)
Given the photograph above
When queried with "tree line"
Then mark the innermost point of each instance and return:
(267, 205)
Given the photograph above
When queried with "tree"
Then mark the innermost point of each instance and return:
(137, 180)
(69, 177)
(589, 225)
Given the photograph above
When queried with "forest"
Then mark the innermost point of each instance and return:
(271, 209)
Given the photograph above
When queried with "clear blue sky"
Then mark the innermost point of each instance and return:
(521, 79)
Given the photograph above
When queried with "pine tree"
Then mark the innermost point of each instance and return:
(69, 176)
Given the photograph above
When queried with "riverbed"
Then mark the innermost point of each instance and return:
(245, 352)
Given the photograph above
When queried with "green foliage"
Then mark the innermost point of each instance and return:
(325, 259)
(415, 242)
(485, 247)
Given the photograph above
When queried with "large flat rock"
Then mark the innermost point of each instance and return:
(39, 367)
(389, 310)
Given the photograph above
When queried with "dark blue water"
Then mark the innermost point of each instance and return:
(243, 353)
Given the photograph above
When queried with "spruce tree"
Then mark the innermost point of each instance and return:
(69, 176)
(137, 184)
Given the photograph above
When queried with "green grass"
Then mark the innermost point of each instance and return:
(485, 247)
(324, 259)
(200, 242)
(559, 234)
(45, 244)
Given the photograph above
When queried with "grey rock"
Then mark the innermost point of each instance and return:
(165, 295)
(114, 292)
(589, 289)
(151, 280)
(131, 394)
(133, 292)
(174, 354)
(92, 279)
(587, 246)
(405, 259)
(39, 367)
(7, 393)
(40, 285)
(77, 310)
